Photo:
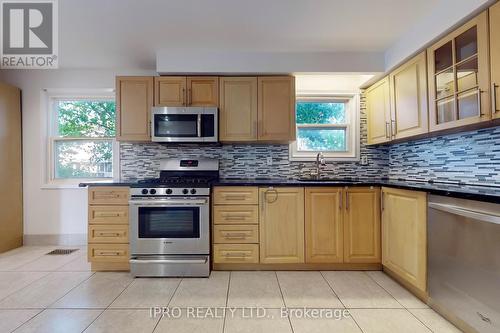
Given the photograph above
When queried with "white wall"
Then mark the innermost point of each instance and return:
(60, 212)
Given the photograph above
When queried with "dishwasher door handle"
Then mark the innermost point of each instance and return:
(484, 217)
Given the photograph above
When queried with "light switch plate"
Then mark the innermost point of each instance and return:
(269, 160)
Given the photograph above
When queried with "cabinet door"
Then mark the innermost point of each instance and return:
(378, 111)
(203, 91)
(495, 58)
(362, 225)
(170, 91)
(458, 70)
(409, 98)
(281, 225)
(276, 110)
(404, 239)
(238, 109)
(134, 99)
(324, 232)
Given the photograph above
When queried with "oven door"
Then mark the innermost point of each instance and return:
(169, 226)
(191, 124)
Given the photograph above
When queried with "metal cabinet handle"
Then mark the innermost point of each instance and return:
(346, 200)
(235, 235)
(479, 92)
(382, 200)
(494, 97)
(108, 234)
(235, 255)
(109, 254)
(184, 96)
(387, 130)
(393, 128)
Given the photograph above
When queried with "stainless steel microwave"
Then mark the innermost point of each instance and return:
(184, 124)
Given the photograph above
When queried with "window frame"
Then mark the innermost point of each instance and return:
(51, 97)
(352, 126)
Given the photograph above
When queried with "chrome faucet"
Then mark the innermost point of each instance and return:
(320, 160)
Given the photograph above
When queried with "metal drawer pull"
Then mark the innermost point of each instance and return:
(235, 196)
(235, 255)
(234, 217)
(108, 214)
(168, 261)
(387, 130)
(235, 235)
(107, 253)
(109, 234)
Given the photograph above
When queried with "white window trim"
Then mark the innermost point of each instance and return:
(48, 96)
(352, 130)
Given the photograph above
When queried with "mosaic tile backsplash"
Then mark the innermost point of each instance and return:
(470, 157)
(141, 160)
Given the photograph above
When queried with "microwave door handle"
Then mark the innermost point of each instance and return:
(198, 127)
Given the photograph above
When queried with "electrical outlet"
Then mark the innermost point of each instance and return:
(270, 160)
(364, 160)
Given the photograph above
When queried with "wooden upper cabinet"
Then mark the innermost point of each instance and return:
(276, 109)
(362, 225)
(404, 238)
(323, 221)
(458, 75)
(495, 58)
(378, 110)
(409, 106)
(170, 91)
(202, 91)
(134, 99)
(238, 109)
(281, 225)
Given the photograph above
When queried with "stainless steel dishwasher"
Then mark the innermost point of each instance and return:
(464, 262)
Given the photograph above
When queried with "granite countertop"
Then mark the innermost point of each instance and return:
(458, 190)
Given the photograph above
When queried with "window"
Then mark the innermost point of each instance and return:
(81, 138)
(328, 125)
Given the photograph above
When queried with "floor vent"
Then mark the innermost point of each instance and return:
(61, 251)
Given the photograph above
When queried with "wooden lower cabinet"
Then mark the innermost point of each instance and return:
(323, 225)
(362, 225)
(281, 225)
(404, 239)
(108, 229)
(236, 253)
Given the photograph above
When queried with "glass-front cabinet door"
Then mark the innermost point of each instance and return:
(495, 58)
(459, 77)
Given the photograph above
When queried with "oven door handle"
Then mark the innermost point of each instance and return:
(168, 261)
(148, 202)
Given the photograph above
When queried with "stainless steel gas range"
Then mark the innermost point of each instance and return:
(170, 220)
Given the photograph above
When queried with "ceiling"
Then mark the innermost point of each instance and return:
(127, 33)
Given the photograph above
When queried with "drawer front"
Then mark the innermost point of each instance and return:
(236, 195)
(236, 253)
(108, 234)
(107, 195)
(108, 214)
(108, 253)
(236, 214)
(236, 234)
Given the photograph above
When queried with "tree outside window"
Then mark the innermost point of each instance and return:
(84, 131)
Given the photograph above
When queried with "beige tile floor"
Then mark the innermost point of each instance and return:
(40, 293)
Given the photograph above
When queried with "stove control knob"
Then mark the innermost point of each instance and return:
(193, 191)
(185, 191)
(152, 191)
(169, 191)
(145, 191)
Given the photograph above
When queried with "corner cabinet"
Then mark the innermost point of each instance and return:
(281, 225)
(134, 99)
(459, 92)
(404, 236)
(409, 104)
(495, 58)
(238, 109)
(378, 108)
(276, 108)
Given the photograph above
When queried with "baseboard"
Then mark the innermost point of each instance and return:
(56, 239)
